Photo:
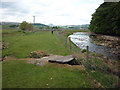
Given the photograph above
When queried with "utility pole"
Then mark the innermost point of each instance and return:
(34, 20)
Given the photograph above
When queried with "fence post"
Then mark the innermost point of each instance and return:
(87, 52)
(70, 43)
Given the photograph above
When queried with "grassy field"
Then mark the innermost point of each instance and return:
(21, 44)
(19, 74)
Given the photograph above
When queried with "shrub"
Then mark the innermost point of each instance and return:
(34, 55)
(84, 50)
(26, 26)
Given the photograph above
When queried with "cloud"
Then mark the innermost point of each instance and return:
(59, 12)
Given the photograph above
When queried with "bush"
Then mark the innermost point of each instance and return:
(26, 26)
(84, 50)
(34, 55)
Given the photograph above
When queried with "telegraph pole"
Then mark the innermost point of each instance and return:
(34, 20)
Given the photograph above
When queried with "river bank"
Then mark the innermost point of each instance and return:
(97, 63)
(101, 44)
(107, 41)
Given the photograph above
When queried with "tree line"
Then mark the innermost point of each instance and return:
(106, 19)
(28, 26)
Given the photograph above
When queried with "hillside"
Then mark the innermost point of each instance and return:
(11, 25)
(106, 19)
(39, 25)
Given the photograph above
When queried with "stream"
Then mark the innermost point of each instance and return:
(82, 40)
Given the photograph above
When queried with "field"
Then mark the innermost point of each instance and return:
(21, 44)
(20, 74)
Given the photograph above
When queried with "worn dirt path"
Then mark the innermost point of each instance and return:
(44, 60)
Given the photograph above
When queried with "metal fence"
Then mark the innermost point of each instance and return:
(102, 69)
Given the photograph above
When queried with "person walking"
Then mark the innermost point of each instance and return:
(52, 31)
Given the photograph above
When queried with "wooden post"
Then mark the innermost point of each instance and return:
(87, 53)
(70, 43)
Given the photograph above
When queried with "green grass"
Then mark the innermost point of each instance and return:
(98, 70)
(21, 44)
(107, 80)
(0, 75)
(19, 74)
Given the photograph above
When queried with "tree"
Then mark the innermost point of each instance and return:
(106, 19)
(55, 27)
(30, 26)
(26, 26)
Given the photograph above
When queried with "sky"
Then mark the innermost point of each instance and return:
(56, 12)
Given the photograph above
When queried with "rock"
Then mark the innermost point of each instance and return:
(63, 59)
(40, 63)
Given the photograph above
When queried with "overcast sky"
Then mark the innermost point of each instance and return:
(57, 12)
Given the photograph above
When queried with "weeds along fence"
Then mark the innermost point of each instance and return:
(103, 70)
(70, 45)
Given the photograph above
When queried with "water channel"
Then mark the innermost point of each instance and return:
(82, 40)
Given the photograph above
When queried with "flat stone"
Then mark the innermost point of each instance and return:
(62, 59)
(52, 58)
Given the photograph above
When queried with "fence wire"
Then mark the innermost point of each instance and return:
(103, 70)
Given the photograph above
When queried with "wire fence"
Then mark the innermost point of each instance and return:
(103, 70)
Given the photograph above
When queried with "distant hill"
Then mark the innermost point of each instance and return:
(10, 25)
(39, 25)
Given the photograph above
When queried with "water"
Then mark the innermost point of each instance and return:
(82, 40)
